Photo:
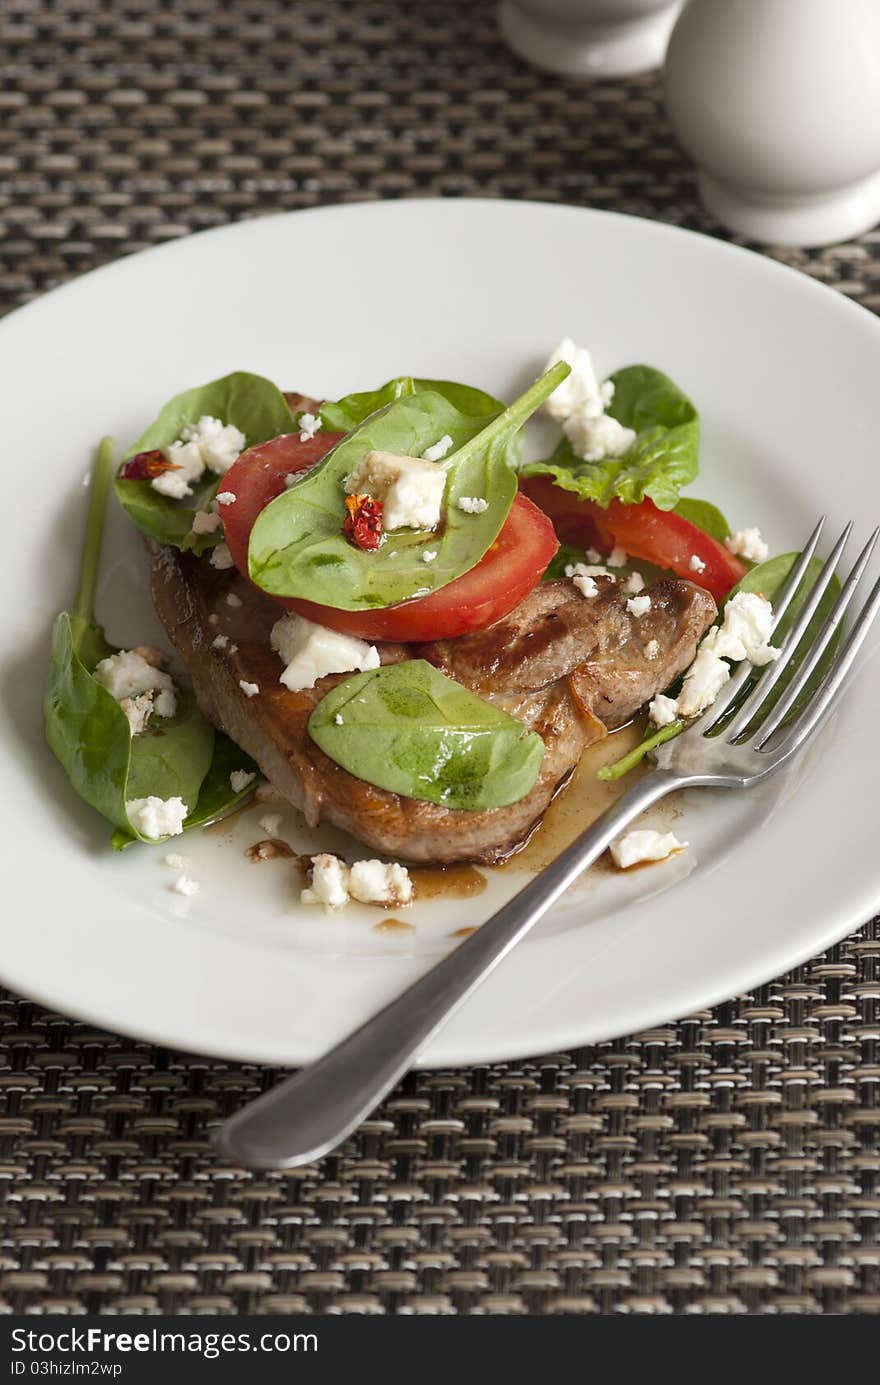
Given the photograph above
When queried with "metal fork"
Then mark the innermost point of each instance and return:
(730, 746)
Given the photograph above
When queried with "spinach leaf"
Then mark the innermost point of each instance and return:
(348, 413)
(564, 557)
(411, 730)
(705, 516)
(253, 404)
(768, 579)
(217, 798)
(87, 729)
(663, 458)
(297, 545)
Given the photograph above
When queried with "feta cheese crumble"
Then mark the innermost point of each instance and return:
(743, 634)
(429, 555)
(226, 498)
(270, 824)
(175, 860)
(233, 600)
(370, 882)
(207, 444)
(638, 605)
(634, 584)
(311, 651)
(410, 489)
(205, 522)
(309, 425)
(579, 404)
(617, 557)
(338, 719)
(652, 649)
(585, 585)
(185, 886)
(473, 504)
(696, 564)
(249, 689)
(139, 685)
(439, 449)
(583, 575)
(156, 817)
(748, 544)
(240, 778)
(221, 558)
(219, 641)
(644, 845)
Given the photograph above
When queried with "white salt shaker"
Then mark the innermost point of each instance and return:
(589, 38)
(778, 103)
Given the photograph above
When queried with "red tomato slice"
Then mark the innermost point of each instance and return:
(656, 536)
(500, 580)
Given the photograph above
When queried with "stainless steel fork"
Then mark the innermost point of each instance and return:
(732, 746)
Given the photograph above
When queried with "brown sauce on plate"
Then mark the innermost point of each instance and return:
(393, 926)
(450, 882)
(270, 849)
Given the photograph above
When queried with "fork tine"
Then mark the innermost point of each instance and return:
(830, 626)
(822, 702)
(713, 714)
(771, 675)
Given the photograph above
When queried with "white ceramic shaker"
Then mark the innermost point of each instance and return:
(589, 38)
(778, 103)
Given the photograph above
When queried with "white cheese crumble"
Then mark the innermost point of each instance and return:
(309, 425)
(580, 391)
(219, 443)
(638, 605)
(165, 703)
(410, 489)
(338, 719)
(185, 886)
(221, 558)
(663, 710)
(583, 574)
(617, 557)
(439, 449)
(429, 555)
(156, 817)
(743, 634)
(240, 778)
(593, 555)
(138, 711)
(189, 465)
(644, 845)
(473, 504)
(226, 498)
(176, 861)
(205, 522)
(585, 585)
(634, 584)
(249, 689)
(748, 544)
(270, 824)
(594, 438)
(696, 564)
(370, 882)
(311, 651)
(652, 649)
(128, 673)
(219, 641)
(233, 600)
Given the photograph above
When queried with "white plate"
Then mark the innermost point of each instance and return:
(785, 373)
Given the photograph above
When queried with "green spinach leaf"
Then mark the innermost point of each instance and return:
(87, 729)
(663, 458)
(348, 413)
(253, 404)
(705, 516)
(297, 545)
(217, 799)
(411, 730)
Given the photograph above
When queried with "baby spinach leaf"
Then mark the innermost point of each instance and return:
(298, 548)
(87, 729)
(253, 404)
(411, 730)
(663, 458)
(705, 516)
(216, 799)
(348, 413)
(767, 579)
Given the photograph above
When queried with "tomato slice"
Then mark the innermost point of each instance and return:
(656, 536)
(504, 575)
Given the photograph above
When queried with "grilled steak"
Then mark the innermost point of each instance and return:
(569, 668)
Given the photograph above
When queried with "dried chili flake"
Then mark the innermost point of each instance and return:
(363, 523)
(143, 466)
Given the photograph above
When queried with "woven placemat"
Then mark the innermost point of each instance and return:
(726, 1163)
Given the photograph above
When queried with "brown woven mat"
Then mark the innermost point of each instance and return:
(726, 1163)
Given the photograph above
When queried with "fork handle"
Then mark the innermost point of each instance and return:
(307, 1115)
